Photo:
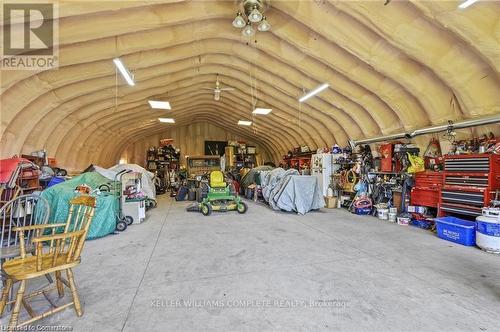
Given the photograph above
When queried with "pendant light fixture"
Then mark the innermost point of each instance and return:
(251, 11)
(248, 30)
(238, 21)
(264, 25)
(255, 15)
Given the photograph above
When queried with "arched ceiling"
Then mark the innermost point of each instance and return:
(390, 67)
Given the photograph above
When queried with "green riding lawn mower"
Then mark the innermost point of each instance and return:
(220, 197)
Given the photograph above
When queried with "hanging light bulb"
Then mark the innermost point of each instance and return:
(238, 22)
(255, 16)
(264, 25)
(248, 30)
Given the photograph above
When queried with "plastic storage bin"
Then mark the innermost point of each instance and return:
(456, 230)
(363, 211)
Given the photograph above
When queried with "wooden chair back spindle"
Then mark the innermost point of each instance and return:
(68, 244)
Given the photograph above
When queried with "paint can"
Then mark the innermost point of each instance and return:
(393, 210)
(392, 216)
(383, 214)
(404, 221)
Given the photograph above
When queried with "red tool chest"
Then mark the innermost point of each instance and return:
(469, 183)
(427, 188)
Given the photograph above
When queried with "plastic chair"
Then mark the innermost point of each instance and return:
(61, 254)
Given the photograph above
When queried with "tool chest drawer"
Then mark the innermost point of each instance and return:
(478, 164)
(460, 179)
(468, 210)
(424, 196)
(462, 197)
(428, 179)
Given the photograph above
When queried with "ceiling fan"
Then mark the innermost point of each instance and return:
(218, 89)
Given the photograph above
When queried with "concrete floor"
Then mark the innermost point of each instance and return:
(266, 270)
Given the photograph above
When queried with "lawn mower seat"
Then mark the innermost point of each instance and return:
(217, 179)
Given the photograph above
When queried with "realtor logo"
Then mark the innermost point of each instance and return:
(30, 33)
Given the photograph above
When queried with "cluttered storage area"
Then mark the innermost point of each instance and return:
(250, 165)
(449, 187)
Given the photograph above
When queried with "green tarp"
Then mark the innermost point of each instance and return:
(104, 221)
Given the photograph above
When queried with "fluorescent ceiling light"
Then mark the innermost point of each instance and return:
(164, 105)
(467, 3)
(263, 111)
(166, 120)
(126, 75)
(244, 123)
(314, 92)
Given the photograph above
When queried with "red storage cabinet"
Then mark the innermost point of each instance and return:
(425, 197)
(426, 191)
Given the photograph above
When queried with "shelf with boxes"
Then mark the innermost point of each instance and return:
(164, 162)
(301, 161)
(239, 155)
(162, 158)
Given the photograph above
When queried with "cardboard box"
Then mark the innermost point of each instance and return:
(330, 202)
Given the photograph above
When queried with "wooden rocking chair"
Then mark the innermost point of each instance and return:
(61, 254)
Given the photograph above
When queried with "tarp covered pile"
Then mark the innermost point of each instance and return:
(104, 221)
(289, 191)
(147, 178)
(251, 176)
